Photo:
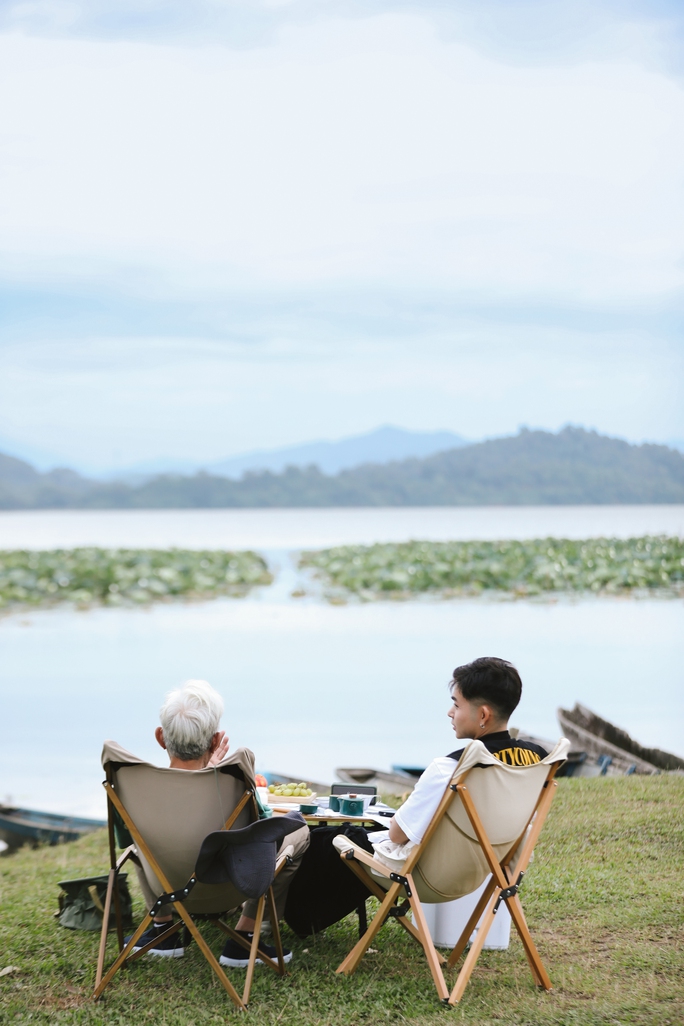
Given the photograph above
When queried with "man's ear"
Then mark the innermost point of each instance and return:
(214, 743)
(485, 715)
(159, 734)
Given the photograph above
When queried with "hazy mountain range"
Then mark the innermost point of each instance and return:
(533, 468)
(378, 446)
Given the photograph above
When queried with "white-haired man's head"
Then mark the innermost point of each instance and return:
(189, 720)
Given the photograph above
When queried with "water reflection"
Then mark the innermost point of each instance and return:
(309, 686)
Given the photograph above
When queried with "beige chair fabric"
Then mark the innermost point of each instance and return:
(175, 810)
(453, 863)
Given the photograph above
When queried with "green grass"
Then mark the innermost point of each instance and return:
(603, 900)
(521, 568)
(115, 577)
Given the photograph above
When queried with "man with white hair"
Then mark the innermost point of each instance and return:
(189, 732)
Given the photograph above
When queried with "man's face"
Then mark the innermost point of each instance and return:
(464, 715)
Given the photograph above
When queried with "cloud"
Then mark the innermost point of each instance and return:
(518, 31)
(368, 151)
(233, 225)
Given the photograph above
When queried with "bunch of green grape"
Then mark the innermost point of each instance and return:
(290, 790)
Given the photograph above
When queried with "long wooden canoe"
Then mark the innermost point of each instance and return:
(28, 826)
(396, 783)
(597, 737)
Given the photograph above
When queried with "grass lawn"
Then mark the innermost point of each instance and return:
(603, 899)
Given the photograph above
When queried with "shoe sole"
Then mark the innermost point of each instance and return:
(164, 953)
(242, 963)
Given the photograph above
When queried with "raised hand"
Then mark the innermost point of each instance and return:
(221, 749)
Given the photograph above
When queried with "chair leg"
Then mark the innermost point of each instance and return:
(429, 948)
(209, 955)
(111, 882)
(349, 964)
(256, 937)
(415, 934)
(462, 942)
(174, 928)
(275, 926)
(539, 973)
(121, 957)
(379, 893)
(475, 949)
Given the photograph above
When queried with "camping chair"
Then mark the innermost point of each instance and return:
(487, 822)
(173, 817)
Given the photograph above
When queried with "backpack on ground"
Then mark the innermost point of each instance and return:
(81, 903)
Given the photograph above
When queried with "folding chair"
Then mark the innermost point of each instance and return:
(487, 822)
(172, 817)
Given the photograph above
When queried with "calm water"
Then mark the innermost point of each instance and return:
(309, 686)
(314, 528)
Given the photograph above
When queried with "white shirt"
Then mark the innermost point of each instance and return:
(415, 814)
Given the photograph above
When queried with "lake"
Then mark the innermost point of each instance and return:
(309, 686)
(317, 528)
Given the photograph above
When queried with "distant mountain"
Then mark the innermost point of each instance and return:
(22, 487)
(573, 467)
(379, 446)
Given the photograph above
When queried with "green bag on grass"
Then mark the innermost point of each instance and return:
(81, 903)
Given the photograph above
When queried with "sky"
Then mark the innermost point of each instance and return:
(241, 224)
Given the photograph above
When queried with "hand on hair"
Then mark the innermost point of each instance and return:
(221, 749)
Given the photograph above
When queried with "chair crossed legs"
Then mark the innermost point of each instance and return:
(176, 898)
(503, 886)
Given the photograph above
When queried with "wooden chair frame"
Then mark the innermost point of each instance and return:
(127, 955)
(501, 887)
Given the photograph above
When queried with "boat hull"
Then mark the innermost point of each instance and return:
(595, 747)
(28, 826)
(398, 784)
(614, 740)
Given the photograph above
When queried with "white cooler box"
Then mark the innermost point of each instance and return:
(447, 921)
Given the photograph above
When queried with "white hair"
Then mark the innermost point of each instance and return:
(189, 718)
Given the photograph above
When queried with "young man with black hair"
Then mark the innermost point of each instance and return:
(484, 693)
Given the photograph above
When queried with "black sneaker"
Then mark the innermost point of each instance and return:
(169, 947)
(238, 957)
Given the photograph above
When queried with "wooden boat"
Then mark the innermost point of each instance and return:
(27, 826)
(397, 783)
(412, 771)
(600, 739)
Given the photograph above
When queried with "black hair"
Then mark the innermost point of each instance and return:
(489, 681)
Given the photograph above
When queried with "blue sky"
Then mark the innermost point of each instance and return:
(227, 226)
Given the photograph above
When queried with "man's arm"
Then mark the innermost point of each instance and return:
(396, 834)
(413, 818)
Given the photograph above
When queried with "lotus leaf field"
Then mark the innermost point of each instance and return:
(520, 568)
(91, 576)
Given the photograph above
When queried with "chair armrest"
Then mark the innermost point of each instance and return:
(129, 853)
(344, 846)
(281, 861)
